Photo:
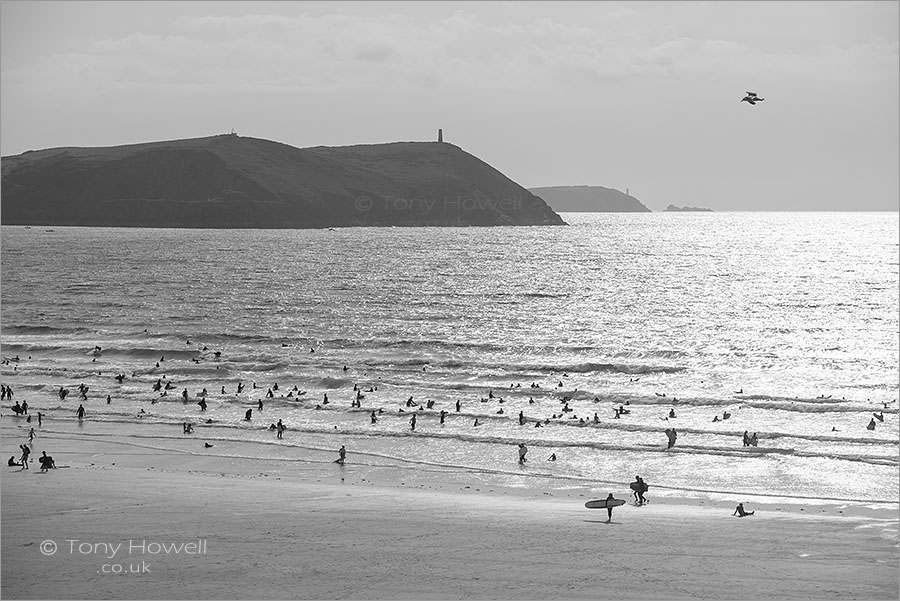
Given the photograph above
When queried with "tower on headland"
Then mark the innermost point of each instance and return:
(440, 135)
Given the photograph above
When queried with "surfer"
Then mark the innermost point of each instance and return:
(609, 508)
(202, 403)
(878, 416)
(373, 417)
(552, 457)
(673, 436)
(739, 511)
(523, 450)
(642, 488)
(671, 412)
(46, 461)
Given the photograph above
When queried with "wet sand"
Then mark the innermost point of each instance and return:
(252, 529)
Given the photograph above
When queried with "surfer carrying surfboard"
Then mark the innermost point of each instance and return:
(639, 487)
(609, 507)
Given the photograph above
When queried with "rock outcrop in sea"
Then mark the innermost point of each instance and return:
(231, 181)
(676, 209)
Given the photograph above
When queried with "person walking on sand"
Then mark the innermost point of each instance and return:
(80, 412)
(523, 450)
(25, 453)
(609, 508)
(342, 455)
(46, 461)
(31, 436)
(412, 423)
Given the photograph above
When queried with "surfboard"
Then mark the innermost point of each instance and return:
(603, 503)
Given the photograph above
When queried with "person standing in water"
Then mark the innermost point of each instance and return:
(80, 412)
(412, 423)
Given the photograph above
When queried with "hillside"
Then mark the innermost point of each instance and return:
(589, 199)
(230, 181)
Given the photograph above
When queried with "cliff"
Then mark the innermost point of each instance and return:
(229, 181)
(589, 199)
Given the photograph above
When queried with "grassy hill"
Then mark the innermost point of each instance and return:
(230, 181)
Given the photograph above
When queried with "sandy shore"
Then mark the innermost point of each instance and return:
(209, 527)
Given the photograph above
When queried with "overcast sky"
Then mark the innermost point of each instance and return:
(638, 95)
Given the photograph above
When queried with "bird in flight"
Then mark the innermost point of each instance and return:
(752, 98)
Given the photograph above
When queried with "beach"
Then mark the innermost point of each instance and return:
(244, 528)
(586, 344)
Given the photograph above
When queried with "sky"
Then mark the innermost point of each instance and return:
(637, 96)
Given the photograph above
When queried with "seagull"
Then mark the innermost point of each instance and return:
(752, 98)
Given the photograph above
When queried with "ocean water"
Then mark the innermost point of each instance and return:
(787, 321)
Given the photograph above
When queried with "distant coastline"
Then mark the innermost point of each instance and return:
(676, 209)
(589, 199)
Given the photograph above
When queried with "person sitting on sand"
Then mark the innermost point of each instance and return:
(12, 462)
(871, 425)
(740, 511)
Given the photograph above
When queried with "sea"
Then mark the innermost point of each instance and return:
(782, 324)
